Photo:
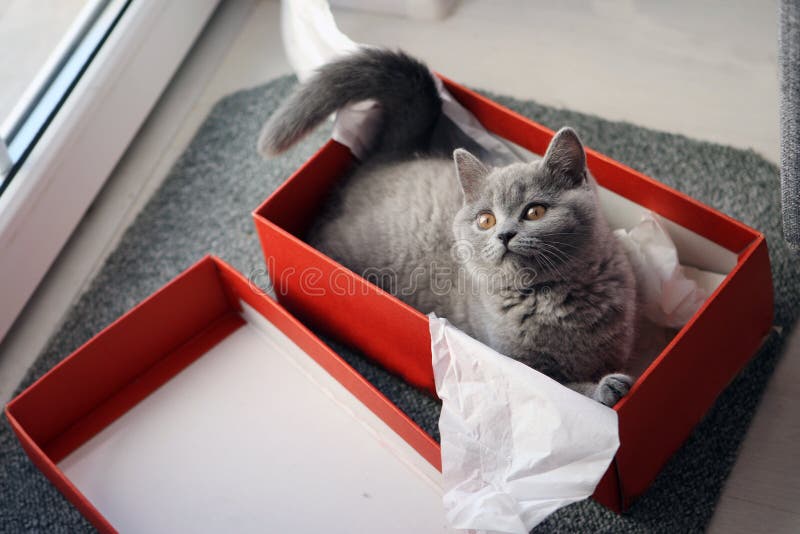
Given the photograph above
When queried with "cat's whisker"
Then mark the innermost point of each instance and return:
(563, 255)
(573, 232)
(553, 269)
(563, 243)
(538, 263)
(551, 257)
(546, 258)
(559, 239)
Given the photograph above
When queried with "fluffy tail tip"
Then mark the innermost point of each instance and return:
(270, 142)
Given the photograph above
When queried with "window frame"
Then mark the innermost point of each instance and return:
(83, 141)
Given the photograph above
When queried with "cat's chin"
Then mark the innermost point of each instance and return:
(533, 268)
(518, 259)
(511, 259)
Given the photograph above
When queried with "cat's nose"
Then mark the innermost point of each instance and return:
(505, 237)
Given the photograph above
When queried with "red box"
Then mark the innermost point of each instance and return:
(163, 340)
(699, 362)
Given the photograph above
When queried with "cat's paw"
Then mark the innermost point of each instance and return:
(612, 388)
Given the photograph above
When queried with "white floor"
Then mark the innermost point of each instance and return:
(704, 69)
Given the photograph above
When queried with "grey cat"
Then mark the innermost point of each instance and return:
(518, 256)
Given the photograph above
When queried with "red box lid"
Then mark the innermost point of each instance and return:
(208, 407)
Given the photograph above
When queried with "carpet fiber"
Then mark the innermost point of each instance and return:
(789, 62)
(204, 207)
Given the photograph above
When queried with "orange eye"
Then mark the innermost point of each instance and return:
(486, 220)
(534, 213)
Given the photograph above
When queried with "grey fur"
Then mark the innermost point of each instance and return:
(402, 85)
(555, 293)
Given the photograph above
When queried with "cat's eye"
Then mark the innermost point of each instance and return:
(486, 220)
(535, 212)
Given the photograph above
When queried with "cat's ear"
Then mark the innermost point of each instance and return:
(565, 158)
(471, 173)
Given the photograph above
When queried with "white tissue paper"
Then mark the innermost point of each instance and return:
(516, 445)
(669, 298)
(310, 35)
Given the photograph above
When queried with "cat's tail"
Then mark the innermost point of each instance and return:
(403, 87)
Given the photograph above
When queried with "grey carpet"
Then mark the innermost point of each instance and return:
(204, 206)
(789, 57)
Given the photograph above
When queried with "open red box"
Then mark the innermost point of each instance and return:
(653, 421)
(208, 407)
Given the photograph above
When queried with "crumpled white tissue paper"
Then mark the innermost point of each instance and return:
(668, 297)
(310, 35)
(516, 445)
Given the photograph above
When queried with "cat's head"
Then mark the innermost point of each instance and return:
(538, 216)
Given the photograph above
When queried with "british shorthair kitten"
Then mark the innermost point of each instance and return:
(519, 256)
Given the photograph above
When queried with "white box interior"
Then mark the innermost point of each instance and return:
(255, 436)
(694, 250)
